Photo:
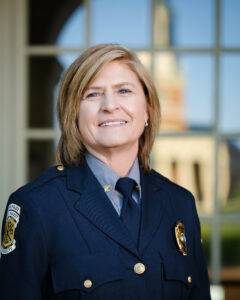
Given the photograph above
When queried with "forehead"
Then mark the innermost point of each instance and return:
(115, 71)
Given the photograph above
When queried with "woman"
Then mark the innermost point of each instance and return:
(102, 224)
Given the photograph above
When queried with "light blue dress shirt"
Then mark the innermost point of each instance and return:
(108, 178)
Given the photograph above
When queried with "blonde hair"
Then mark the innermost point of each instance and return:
(74, 83)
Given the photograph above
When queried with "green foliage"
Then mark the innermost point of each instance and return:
(206, 238)
(230, 243)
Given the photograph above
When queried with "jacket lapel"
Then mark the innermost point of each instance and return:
(95, 205)
(154, 199)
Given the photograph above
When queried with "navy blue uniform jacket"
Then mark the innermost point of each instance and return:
(69, 232)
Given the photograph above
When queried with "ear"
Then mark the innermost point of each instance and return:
(146, 117)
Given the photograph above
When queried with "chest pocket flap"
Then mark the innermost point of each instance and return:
(85, 273)
(180, 268)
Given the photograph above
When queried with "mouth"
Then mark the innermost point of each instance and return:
(112, 123)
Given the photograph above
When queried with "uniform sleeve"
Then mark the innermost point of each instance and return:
(23, 264)
(202, 291)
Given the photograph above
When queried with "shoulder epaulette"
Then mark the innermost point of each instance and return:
(46, 176)
(160, 176)
(167, 180)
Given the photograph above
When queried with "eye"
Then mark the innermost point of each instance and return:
(92, 95)
(124, 91)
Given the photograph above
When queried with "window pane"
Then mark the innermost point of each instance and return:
(43, 79)
(57, 22)
(230, 93)
(188, 161)
(44, 75)
(185, 86)
(41, 155)
(230, 23)
(185, 23)
(230, 245)
(123, 22)
(229, 170)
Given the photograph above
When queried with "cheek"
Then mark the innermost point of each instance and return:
(85, 114)
(142, 106)
(82, 119)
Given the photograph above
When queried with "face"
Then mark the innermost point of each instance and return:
(113, 110)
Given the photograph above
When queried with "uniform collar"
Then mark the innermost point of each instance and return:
(107, 177)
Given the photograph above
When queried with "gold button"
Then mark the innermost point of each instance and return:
(139, 268)
(189, 279)
(87, 283)
(60, 168)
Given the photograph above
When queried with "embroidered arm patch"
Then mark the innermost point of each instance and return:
(12, 219)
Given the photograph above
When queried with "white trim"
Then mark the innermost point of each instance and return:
(21, 92)
(12, 112)
(41, 134)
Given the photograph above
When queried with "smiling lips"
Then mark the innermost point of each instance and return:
(112, 123)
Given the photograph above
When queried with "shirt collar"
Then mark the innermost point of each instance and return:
(107, 177)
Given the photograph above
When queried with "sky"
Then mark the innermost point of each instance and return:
(192, 25)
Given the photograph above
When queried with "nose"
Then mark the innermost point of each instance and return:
(109, 102)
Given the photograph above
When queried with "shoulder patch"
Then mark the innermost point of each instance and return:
(12, 220)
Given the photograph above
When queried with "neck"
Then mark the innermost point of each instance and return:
(120, 161)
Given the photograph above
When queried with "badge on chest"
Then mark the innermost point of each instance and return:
(181, 238)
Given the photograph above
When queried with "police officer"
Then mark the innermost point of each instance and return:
(102, 224)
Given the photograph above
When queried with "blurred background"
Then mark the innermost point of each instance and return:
(191, 49)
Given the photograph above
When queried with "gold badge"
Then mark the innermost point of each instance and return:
(181, 238)
(12, 219)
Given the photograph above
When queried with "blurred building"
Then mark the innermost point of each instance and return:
(187, 161)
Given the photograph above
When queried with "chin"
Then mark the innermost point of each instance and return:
(119, 144)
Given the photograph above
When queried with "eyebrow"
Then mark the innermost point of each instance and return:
(115, 86)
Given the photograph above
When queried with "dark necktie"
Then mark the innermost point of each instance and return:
(130, 213)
